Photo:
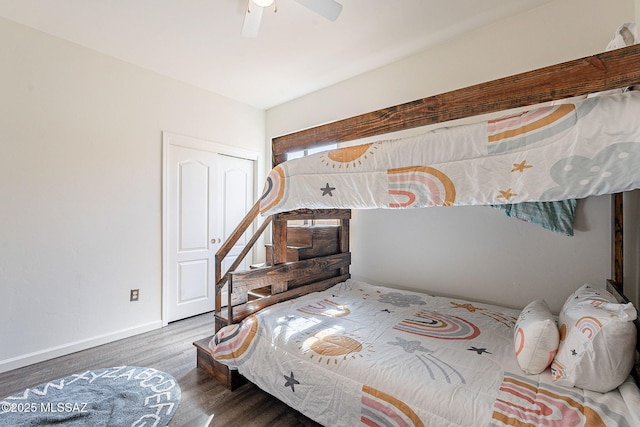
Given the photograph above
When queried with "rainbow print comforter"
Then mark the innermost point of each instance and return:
(362, 354)
(560, 152)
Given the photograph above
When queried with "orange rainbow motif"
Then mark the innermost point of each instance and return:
(522, 402)
(234, 341)
(438, 325)
(589, 326)
(420, 186)
(382, 409)
(519, 341)
(557, 370)
(529, 127)
(326, 308)
(274, 189)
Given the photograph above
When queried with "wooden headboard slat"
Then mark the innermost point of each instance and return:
(604, 71)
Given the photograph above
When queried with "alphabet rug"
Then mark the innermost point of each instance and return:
(109, 397)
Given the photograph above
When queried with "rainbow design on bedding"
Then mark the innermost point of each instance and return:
(589, 326)
(325, 308)
(523, 402)
(382, 409)
(437, 325)
(402, 358)
(274, 189)
(517, 131)
(233, 343)
(416, 186)
(550, 154)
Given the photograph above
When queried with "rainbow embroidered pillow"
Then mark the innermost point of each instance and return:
(536, 337)
(233, 344)
(597, 341)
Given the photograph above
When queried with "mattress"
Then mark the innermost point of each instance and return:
(363, 354)
(560, 152)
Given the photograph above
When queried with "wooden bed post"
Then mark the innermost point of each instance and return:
(617, 241)
(344, 240)
(279, 240)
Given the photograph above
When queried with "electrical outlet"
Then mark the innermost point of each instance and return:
(134, 294)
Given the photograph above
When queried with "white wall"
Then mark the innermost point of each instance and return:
(80, 190)
(474, 252)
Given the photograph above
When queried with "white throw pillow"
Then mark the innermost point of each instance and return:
(597, 341)
(536, 337)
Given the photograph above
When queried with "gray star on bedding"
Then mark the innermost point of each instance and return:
(480, 351)
(291, 382)
(409, 346)
(327, 190)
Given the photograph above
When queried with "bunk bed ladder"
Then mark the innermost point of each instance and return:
(316, 266)
(323, 266)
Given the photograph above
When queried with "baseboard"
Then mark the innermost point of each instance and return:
(63, 350)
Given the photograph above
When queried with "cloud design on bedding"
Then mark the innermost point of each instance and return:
(400, 300)
(606, 170)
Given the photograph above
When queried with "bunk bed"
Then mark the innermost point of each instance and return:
(443, 361)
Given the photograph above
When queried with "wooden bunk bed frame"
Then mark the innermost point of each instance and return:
(288, 276)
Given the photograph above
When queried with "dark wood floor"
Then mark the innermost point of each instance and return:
(204, 401)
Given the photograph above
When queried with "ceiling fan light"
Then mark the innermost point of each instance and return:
(263, 3)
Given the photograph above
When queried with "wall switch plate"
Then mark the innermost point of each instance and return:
(134, 294)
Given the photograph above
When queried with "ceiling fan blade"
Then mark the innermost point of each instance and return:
(252, 19)
(330, 9)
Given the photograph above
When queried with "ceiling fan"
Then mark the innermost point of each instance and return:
(330, 9)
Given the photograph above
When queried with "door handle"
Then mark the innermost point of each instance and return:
(213, 241)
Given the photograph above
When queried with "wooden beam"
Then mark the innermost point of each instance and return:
(284, 273)
(279, 240)
(344, 235)
(617, 240)
(608, 70)
(241, 256)
(315, 214)
(242, 311)
(344, 240)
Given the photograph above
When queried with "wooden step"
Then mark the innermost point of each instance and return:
(258, 293)
(309, 241)
(231, 379)
(292, 254)
(300, 236)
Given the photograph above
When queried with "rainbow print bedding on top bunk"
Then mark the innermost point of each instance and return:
(362, 354)
(552, 153)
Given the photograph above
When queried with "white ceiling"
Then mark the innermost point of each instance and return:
(295, 53)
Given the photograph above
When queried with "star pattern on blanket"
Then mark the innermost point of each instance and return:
(409, 346)
(506, 194)
(327, 190)
(480, 351)
(520, 167)
(291, 382)
(470, 307)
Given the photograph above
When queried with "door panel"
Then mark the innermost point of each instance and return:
(191, 213)
(237, 189)
(207, 194)
(193, 205)
(193, 281)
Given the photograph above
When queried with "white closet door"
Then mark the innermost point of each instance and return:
(207, 196)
